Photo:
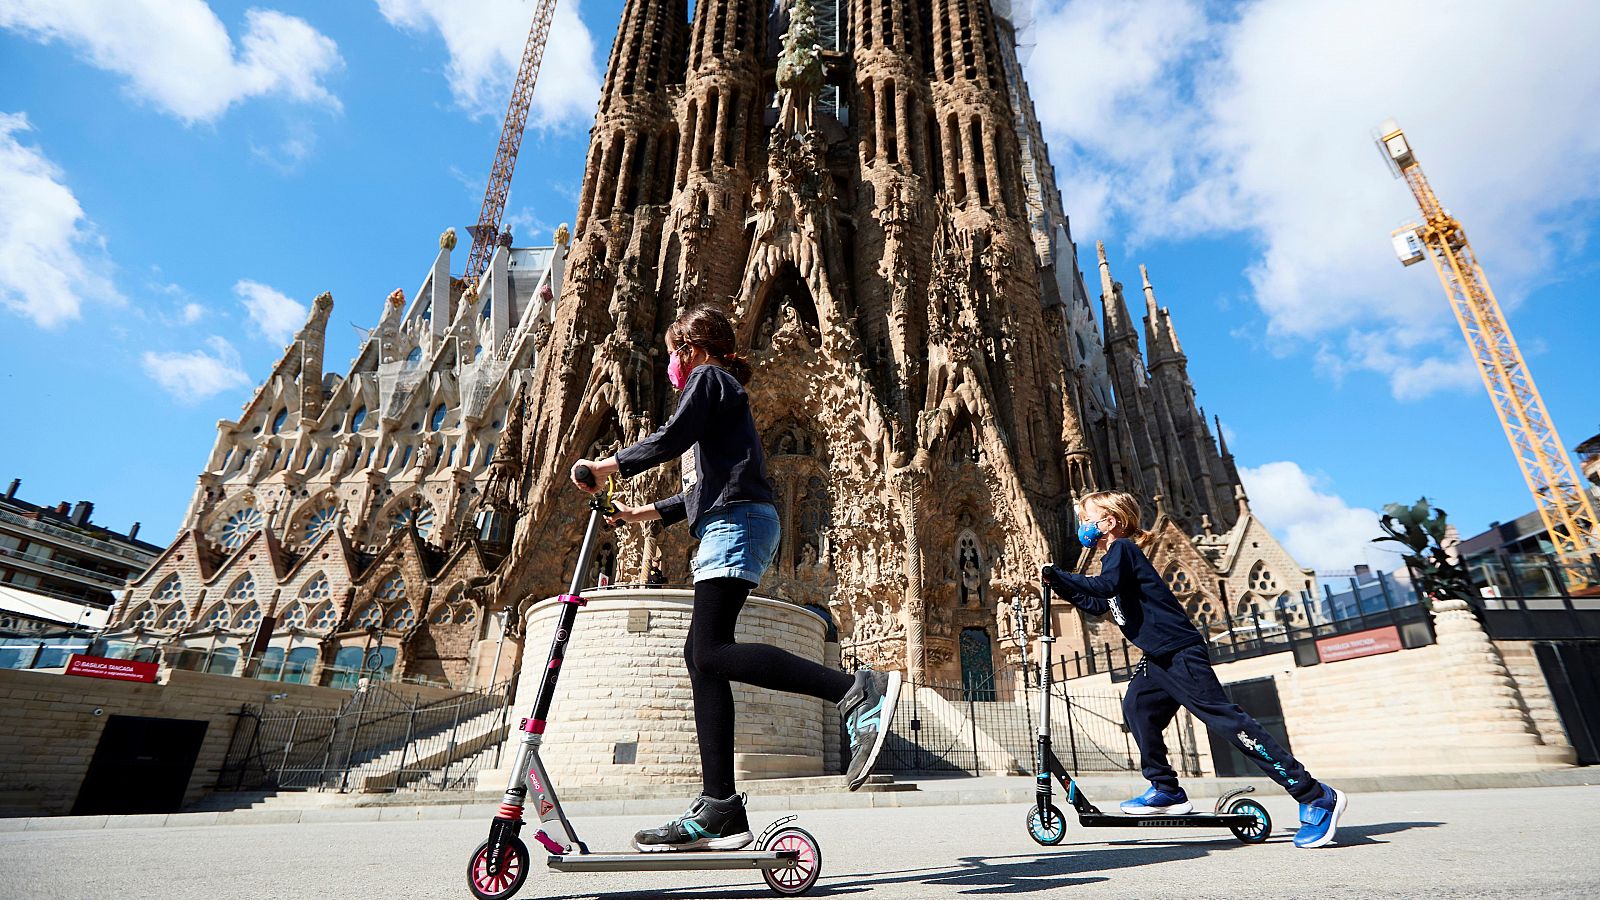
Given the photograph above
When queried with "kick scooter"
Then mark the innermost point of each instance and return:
(789, 858)
(1247, 819)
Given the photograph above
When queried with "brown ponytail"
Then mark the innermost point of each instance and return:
(708, 328)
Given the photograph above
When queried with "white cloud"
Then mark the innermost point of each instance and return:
(177, 55)
(193, 376)
(274, 314)
(192, 313)
(1318, 528)
(51, 260)
(1257, 119)
(485, 42)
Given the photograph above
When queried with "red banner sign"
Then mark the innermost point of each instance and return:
(115, 669)
(1360, 643)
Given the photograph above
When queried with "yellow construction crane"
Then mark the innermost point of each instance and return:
(1568, 515)
(487, 230)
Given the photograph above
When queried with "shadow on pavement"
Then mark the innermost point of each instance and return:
(1029, 872)
(1362, 835)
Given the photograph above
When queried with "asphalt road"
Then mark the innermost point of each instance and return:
(1535, 842)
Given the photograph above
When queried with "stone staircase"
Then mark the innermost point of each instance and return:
(427, 757)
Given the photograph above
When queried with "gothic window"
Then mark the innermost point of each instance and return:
(402, 617)
(393, 589)
(326, 618)
(371, 616)
(240, 526)
(414, 358)
(295, 617)
(248, 618)
(243, 590)
(170, 591)
(279, 419)
(423, 516)
(218, 617)
(1262, 580)
(359, 417)
(176, 616)
(465, 614)
(969, 568)
(812, 515)
(441, 615)
(1178, 581)
(437, 419)
(318, 523)
(145, 618)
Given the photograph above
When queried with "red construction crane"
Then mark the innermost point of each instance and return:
(505, 158)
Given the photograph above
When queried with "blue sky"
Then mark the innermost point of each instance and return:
(178, 179)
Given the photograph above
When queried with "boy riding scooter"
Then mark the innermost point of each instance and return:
(1175, 671)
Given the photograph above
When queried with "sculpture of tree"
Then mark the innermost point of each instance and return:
(1434, 562)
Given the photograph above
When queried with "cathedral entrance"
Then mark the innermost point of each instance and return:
(977, 664)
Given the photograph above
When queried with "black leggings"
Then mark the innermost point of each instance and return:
(714, 660)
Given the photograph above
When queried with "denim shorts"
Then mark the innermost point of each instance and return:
(737, 541)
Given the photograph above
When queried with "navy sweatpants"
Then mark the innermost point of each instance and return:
(1185, 678)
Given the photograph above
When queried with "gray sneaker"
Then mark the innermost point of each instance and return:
(867, 710)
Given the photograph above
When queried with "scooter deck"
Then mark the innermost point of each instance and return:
(674, 861)
(1196, 820)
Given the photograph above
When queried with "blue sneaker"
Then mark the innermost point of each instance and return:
(1319, 819)
(1156, 802)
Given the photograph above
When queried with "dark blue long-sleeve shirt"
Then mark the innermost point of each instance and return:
(1129, 588)
(713, 431)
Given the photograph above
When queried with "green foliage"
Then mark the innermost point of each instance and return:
(1433, 561)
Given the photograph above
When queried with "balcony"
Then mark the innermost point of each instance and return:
(139, 559)
(64, 570)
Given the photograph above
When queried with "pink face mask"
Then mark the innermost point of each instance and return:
(677, 370)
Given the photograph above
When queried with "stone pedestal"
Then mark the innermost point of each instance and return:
(623, 710)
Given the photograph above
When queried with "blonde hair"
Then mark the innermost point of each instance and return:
(1125, 507)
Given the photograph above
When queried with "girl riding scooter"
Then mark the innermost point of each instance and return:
(727, 501)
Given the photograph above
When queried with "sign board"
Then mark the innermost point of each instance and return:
(1360, 643)
(115, 669)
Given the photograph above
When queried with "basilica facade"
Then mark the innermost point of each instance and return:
(866, 189)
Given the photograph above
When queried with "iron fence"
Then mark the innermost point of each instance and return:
(378, 741)
(989, 725)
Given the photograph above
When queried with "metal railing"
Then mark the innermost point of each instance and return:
(50, 563)
(141, 558)
(378, 741)
(989, 725)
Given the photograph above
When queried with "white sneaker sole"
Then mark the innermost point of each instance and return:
(891, 700)
(731, 842)
(1339, 801)
(1177, 809)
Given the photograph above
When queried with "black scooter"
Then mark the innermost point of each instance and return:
(1247, 819)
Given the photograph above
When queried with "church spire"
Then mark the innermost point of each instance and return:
(1114, 306)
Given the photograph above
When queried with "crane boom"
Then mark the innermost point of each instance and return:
(1563, 505)
(505, 157)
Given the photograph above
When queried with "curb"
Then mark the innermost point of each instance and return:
(942, 792)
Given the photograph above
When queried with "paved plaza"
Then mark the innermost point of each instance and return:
(1535, 842)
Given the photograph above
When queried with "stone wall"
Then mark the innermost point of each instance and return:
(49, 729)
(624, 682)
(1447, 708)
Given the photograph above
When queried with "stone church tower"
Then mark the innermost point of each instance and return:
(866, 189)
(898, 263)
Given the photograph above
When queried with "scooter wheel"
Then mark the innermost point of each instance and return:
(513, 871)
(1048, 829)
(1258, 831)
(796, 879)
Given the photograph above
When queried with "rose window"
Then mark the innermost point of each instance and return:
(318, 524)
(239, 526)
